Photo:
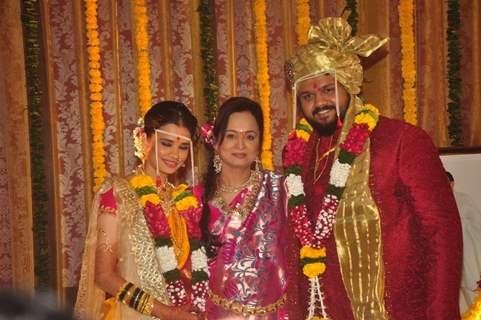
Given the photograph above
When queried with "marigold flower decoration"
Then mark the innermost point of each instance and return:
(408, 60)
(263, 80)
(141, 20)
(303, 21)
(160, 226)
(96, 98)
(474, 311)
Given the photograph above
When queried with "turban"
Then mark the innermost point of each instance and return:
(332, 49)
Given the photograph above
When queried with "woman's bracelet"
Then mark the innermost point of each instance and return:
(136, 298)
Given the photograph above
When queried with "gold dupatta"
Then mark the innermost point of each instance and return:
(136, 261)
(357, 231)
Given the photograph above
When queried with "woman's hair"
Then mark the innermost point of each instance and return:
(169, 112)
(229, 107)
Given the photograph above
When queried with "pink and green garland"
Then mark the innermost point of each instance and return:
(186, 203)
(312, 238)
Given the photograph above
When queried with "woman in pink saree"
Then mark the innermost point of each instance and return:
(243, 223)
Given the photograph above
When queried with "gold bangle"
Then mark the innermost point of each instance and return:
(149, 307)
(143, 302)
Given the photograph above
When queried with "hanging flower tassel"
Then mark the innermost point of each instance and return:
(316, 299)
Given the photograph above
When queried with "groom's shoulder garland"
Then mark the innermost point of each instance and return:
(160, 224)
(313, 253)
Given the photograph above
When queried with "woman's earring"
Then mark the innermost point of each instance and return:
(217, 164)
(258, 165)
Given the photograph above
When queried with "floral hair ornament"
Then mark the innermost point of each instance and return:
(138, 144)
(207, 133)
(191, 149)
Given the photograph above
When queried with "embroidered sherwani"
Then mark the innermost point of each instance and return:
(420, 235)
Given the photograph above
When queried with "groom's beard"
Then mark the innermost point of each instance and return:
(323, 129)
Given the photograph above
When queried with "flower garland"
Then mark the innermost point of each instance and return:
(164, 227)
(454, 71)
(95, 87)
(313, 253)
(351, 6)
(207, 38)
(303, 21)
(408, 60)
(263, 79)
(474, 311)
(142, 45)
(40, 196)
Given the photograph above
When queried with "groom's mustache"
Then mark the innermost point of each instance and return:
(323, 108)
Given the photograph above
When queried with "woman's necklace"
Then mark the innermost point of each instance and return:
(325, 155)
(243, 208)
(225, 188)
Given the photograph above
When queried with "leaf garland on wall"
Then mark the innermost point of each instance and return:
(40, 197)
(207, 48)
(353, 18)
(454, 73)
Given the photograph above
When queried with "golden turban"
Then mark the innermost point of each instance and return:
(331, 48)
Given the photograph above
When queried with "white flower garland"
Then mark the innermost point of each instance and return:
(166, 258)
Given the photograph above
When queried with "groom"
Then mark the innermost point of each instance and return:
(380, 201)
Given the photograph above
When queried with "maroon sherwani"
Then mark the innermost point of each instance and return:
(420, 228)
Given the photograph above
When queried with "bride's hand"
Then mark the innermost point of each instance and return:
(179, 313)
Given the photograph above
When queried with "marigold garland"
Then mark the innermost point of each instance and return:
(141, 19)
(96, 97)
(263, 79)
(303, 21)
(474, 311)
(408, 60)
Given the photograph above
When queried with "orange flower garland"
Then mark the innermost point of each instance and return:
(141, 19)
(408, 61)
(303, 21)
(474, 311)
(95, 88)
(263, 79)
